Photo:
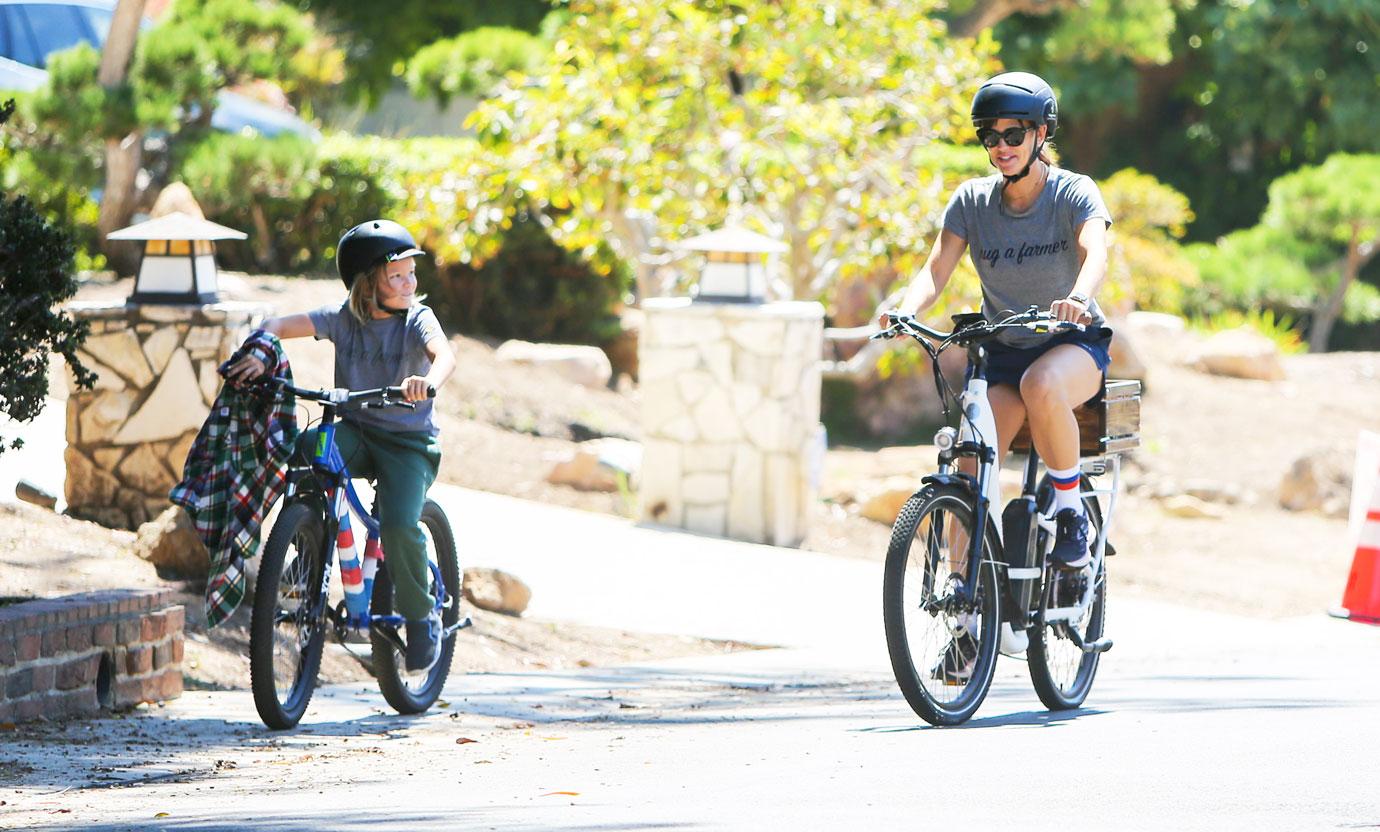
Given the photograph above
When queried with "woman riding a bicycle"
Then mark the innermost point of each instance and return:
(1037, 236)
(384, 336)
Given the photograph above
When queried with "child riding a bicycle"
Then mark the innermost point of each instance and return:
(384, 336)
(1037, 236)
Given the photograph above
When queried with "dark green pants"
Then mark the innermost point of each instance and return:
(405, 465)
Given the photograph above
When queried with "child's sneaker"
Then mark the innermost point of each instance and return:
(1071, 540)
(423, 642)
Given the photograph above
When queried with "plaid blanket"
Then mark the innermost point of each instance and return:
(235, 471)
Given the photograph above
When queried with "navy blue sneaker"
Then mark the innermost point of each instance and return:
(1071, 540)
(423, 643)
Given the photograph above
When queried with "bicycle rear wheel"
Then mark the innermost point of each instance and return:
(413, 692)
(1059, 669)
(285, 638)
(942, 641)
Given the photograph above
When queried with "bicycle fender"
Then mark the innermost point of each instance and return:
(964, 481)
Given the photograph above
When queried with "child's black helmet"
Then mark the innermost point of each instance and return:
(1020, 95)
(369, 244)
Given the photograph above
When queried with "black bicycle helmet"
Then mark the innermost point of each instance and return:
(1018, 95)
(369, 244)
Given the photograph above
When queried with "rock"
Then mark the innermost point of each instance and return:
(174, 407)
(108, 516)
(583, 365)
(884, 503)
(496, 591)
(145, 471)
(170, 543)
(597, 465)
(1210, 491)
(1242, 353)
(1318, 481)
(1126, 361)
(121, 352)
(1158, 323)
(31, 493)
(86, 484)
(1183, 505)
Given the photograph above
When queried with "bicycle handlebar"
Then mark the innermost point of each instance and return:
(337, 396)
(981, 330)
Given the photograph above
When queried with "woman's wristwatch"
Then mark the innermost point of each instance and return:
(1080, 298)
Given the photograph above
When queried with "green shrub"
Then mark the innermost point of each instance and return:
(36, 274)
(472, 62)
(531, 289)
(292, 197)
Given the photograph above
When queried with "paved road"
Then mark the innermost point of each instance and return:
(1198, 720)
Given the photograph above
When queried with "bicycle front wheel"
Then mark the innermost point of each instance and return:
(942, 635)
(285, 636)
(1059, 669)
(413, 692)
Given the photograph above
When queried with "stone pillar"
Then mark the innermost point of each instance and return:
(156, 377)
(730, 417)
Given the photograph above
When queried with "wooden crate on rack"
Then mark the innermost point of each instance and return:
(1108, 424)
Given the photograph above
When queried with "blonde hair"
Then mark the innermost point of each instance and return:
(364, 293)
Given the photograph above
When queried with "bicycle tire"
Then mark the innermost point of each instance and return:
(925, 682)
(406, 693)
(293, 551)
(1061, 673)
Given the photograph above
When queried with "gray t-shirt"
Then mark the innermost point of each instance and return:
(381, 353)
(1027, 258)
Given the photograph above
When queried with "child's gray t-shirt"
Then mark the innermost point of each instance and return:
(1027, 258)
(381, 353)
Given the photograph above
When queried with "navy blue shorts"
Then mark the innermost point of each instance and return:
(1006, 365)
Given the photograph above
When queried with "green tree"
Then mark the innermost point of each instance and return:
(379, 40)
(178, 68)
(36, 272)
(1320, 229)
(471, 63)
(650, 122)
(1250, 91)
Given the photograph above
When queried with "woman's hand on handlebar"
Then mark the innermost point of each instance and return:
(1072, 310)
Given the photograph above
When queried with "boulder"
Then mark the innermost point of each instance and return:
(596, 465)
(1318, 481)
(1184, 505)
(170, 543)
(622, 349)
(174, 198)
(1156, 323)
(883, 502)
(1242, 353)
(1126, 361)
(496, 591)
(581, 364)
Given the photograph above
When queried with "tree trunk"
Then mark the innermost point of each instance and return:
(122, 156)
(987, 13)
(1329, 309)
(122, 161)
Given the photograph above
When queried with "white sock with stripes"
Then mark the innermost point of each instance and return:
(1066, 489)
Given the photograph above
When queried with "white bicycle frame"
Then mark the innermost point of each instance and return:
(978, 424)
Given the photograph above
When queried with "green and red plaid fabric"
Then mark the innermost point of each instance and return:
(236, 469)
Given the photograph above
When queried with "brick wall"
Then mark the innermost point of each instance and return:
(77, 654)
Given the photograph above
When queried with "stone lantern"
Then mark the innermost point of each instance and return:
(155, 358)
(735, 270)
(732, 445)
(179, 258)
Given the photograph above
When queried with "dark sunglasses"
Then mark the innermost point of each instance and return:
(1013, 136)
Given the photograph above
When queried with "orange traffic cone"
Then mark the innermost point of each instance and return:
(1361, 599)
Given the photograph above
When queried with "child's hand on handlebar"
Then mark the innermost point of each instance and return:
(247, 368)
(1072, 310)
(416, 388)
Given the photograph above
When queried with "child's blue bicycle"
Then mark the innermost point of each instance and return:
(292, 609)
